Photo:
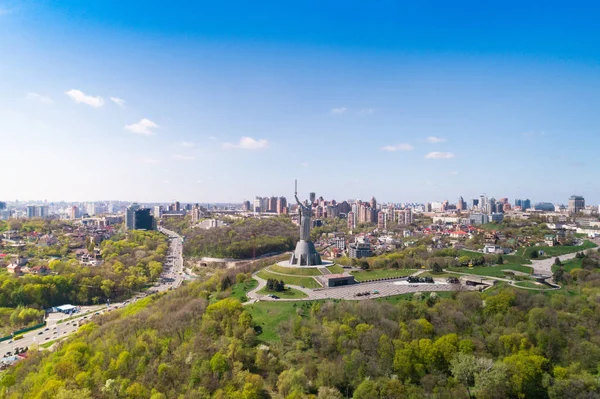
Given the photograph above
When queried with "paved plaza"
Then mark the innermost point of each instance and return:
(383, 289)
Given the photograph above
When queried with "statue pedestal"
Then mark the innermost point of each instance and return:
(305, 255)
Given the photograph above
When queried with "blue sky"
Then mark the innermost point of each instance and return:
(221, 101)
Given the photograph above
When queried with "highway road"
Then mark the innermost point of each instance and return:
(57, 325)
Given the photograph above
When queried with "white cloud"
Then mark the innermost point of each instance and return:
(304, 164)
(439, 155)
(199, 182)
(367, 111)
(150, 161)
(454, 173)
(166, 181)
(187, 144)
(143, 127)
(119, 101)
(39, 97)
(81, 97)
(248, 143)
(339, 111)
(184, 157)
(398, 147)
(435, 140)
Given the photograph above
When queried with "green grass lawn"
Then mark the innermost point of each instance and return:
(240, 290)
(289, 293)
(297, 271)
(531, 284)
(492, 271)
(48, 344)
(335, 269)
(375, 274)
(516, 259)
(557, 250)
(570, 264)
(438, 275)
(308, 282)
(408, 297)
(268, 315)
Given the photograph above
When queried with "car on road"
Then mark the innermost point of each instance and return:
(40, 333)
(9, 342)
(47, 338)
(46, 329)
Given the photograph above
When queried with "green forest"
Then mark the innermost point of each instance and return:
(199, 342)
(239, 239)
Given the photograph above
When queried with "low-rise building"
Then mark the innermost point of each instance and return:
(359, 250)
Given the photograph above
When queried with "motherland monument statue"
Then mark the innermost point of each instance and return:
(305, 253)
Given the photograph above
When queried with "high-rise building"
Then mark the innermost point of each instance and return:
(351, 220)
(2, 206)
(130, 216)
(138, 218)
(576, 204)
(460, 205)
(74, 213)
(373, 203)
(177, 206)
(281, 205)
(246, 206)
(523, 203)
(273, 204)
(312, 197)
(157, 211)
(344, 207)
(196, 213)
(382, 220)
(35, 211)
(474, 203)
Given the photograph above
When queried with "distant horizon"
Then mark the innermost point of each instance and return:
(466, 199)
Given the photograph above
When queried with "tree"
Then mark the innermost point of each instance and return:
(463, 368)
(218, 364)
(534, 254)
(436, 268)
(557, 261)
(329, 393)
(500, 260)
(366, 390)
(559, 274)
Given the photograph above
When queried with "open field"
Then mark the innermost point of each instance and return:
(492, 271)
(297, 271)
(375, 274)
(407, 297)
(240, 290)
(289, 293)
(335, 269)
(439, 275)
(570, 264)
(516, 259)
(308, 282)
(268, 315)
(556, 251)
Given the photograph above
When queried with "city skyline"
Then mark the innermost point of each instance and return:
(414, 103)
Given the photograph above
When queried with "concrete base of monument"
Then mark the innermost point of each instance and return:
(324, 263)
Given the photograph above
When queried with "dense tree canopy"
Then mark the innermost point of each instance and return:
(238, 239)
(197, 342)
